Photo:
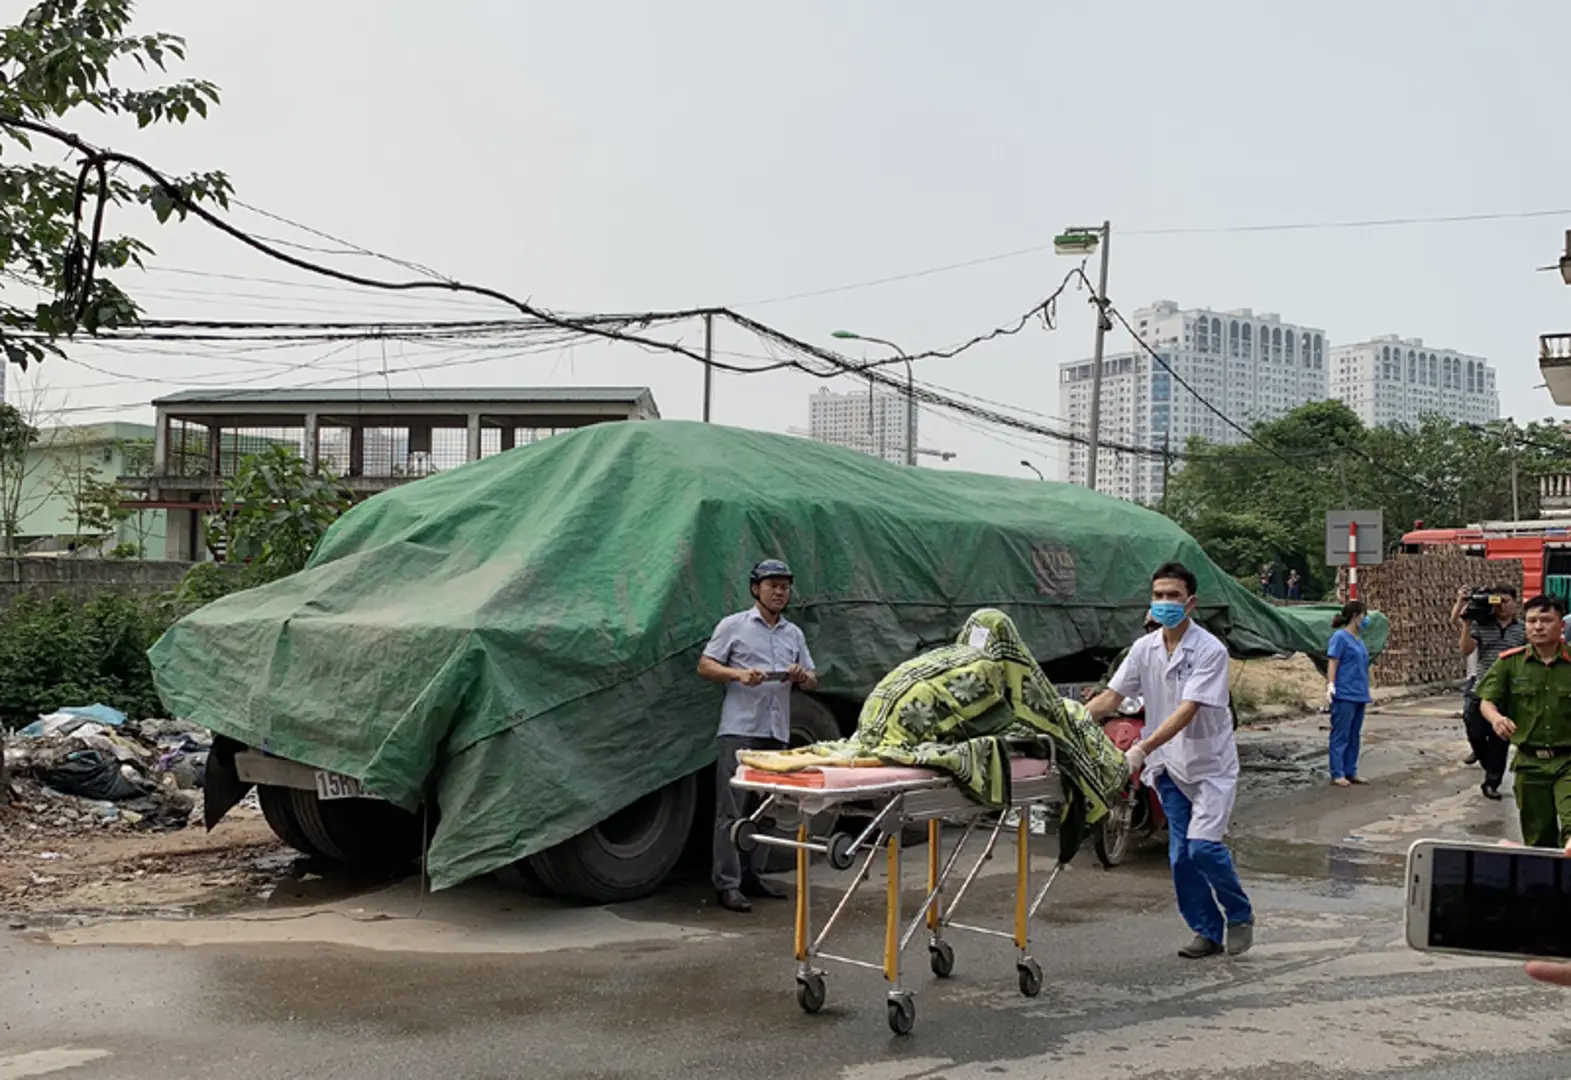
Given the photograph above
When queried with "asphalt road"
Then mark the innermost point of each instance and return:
(480, 983)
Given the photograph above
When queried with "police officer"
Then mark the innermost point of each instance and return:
(758, 655)
(1526, 697)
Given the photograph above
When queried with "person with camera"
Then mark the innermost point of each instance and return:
(1488, 625)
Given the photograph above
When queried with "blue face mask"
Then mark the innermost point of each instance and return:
(1169, 613)
(1363, 624)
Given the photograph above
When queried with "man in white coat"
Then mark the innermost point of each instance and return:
(1190, 757)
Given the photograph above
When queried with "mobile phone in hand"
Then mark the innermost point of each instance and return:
(1486, 900)
(776, 676)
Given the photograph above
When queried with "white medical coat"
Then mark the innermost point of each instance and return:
(1203, 758)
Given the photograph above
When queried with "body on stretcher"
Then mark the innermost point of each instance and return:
(894, 798)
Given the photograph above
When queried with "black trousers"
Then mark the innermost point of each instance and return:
(1491, 749)
(732, 806)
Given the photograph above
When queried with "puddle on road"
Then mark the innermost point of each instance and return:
(1336, 865)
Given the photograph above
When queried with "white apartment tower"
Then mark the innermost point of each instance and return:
(1396, 380)
(873, 422)
(1250, 367)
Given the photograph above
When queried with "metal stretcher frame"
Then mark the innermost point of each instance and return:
(894, 806)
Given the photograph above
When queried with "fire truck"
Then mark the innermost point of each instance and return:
(1543, 546)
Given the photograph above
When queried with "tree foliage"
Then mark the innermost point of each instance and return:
(63, 652)
(64, 56)
(1249, 506)
(276, 509)
(17, 439)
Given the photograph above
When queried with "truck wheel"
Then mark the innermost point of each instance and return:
(627, 855)
(278, 808)
(363, 834)
(811, 722)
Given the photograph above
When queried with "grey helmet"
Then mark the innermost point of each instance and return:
(769, 568)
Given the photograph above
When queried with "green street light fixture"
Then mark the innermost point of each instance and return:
(852, 335)
(1075, 242)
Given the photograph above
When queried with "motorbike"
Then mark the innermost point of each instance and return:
(1135, 814)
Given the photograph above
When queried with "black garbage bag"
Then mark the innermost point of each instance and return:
(91, 774)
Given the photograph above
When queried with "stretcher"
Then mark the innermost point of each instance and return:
(890, 799)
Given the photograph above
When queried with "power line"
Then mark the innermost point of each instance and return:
(1203, 230)
(1363, 223)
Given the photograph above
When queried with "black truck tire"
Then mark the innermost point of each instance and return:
(626, 856)
(278, 807)
(361, 834)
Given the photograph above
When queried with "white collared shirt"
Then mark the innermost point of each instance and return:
(1195, 671)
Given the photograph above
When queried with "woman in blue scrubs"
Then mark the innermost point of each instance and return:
(1347, 689)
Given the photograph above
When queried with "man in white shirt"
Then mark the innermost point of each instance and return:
(1190, 757)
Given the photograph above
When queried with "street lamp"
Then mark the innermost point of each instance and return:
(1034, 469)
(1082, 241)
(851, 335)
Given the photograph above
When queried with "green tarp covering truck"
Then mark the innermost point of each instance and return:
(504, 655)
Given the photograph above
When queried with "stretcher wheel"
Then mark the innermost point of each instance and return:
(841, 855)
(1030, 977)
(744, 835)
(810, 991)
(902, 1015)
(941, 955)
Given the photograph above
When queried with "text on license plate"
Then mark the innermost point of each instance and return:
(331, 785)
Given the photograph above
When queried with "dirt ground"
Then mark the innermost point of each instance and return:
(1293, 682)
(105, 870)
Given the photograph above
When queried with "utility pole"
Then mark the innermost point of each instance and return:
(872, 421)
(1516, 509)
(709, 358)
(1167, 464)
(1096, 360)
(1083, 240)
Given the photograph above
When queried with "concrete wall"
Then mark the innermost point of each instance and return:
(81, 578)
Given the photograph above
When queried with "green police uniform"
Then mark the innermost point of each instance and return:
(1536, 695)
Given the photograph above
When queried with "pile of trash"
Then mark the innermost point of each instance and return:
(86, 768)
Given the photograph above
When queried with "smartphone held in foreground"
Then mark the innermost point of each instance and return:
(1513, 903)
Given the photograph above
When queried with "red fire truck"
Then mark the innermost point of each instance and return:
(1544, 548)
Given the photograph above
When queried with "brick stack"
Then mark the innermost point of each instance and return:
(1416, 592)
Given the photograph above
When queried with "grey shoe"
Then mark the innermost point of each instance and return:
(1240, 936)
(1200, 948)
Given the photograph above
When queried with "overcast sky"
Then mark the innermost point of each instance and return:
(632, 156)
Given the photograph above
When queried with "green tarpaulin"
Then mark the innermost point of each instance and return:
(525, 629)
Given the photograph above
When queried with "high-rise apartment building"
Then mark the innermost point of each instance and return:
(872, 422)
(1396, 380)
(1251, 367)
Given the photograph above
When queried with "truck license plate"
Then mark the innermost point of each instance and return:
(330, 785)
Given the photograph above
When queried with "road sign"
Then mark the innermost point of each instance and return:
(1370, 531)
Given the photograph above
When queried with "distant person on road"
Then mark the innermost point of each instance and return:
(1347, 690)
(1295, 585)
(758, 656)
(1526, 698)
(1190, 757)
(1488, 638)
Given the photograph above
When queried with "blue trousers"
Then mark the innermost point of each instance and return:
(1203, 873)
(1347, 724)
